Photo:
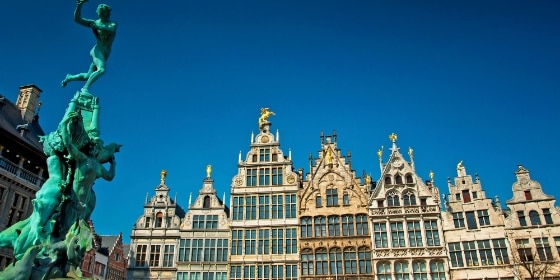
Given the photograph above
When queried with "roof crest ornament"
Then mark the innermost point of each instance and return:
(163, 176)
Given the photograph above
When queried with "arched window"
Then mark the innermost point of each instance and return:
(398, 179)
(348, 225)
(437, 270)
(364, 256)
(393, 200)
(307, 262)
(409, 199)
(401, 270)
(335, 261)
(384, 271)
(321, 262)
(535, 218)
(206, 204)
(388, 180)
(419, 270)
(408, 179)
(159, 219)
(320, 226)
(306, 227)
(350, 261)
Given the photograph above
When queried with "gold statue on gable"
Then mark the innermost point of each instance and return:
(265, 114)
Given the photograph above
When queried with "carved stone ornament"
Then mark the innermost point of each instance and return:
(291, 179)
(238, 181)
(264, 139)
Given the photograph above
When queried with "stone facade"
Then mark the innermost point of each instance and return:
(405, 222)
(203, 249)
(155, 237)
(264, 220)
(335, 241)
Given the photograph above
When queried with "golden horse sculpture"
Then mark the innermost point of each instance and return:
(265, 114)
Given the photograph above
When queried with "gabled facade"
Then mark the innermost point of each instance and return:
(264, 222)
(405, 222)
(155, 237)
(533, 228)
(335, 241)
(203, 249)
(23, 168)
(474, 230)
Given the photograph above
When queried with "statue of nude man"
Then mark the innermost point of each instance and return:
(104, 30)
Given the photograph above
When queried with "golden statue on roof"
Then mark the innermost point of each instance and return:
(163, 175)
(208, 171)
(265, 114)
(431, 175)
(380, 152)
(393, 137)
(460, 165)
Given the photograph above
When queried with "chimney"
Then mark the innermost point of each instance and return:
(27, 101)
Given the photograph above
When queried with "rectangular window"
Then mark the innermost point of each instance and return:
(290, 206)
(154, 255)
(345, 199)
(250, 241)
(485, 252)
(291, 241)
(184, 250)
(277, 271)
(456, 254)
(251, 208)
(209, 250)
(466, 196)
(332, 197)
(291, 272)
(483, 218)
(528, 195)
(212, 221)
(524, 250)
(432, 233)
(236, 242)
(318, 201)
(277, 241)
(334, 225)
(521, 217)
(141, 255)
(362, 224)
(306, 227)
(168, 255)
(238, 205)
(222, 250)
(264, 207)
(276, 176)
(547, 216)
(196, 251)
(500, 251)
(458, 220)
(251, 177)
(263, 272)
(471, 220)
(474, 195)
(397, 234)
(235, 272)
(147, 224)
(264, 241)
(264, 177)
(414, 234)
(471, 256)
(264, 155)
(458, 196)
(543, 248)
(380, 235)
(249, 272)
(347, 225)
(277, 206)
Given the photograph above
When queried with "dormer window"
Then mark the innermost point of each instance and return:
(388, 180)
(408, 179)
(159, 219)
(398, 179)
(206, 204)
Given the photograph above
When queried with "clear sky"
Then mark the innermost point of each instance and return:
(476, 81)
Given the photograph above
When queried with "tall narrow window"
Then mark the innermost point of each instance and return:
(401, 270)
(159, 219)
(543, 248)
(276, 176)
(458, 219)
(521, 217)
(345, 199)
(238, 206)
(154, 255)
(334, 225)
(198, 221)
(547, 216)
(409, 199)
(483, 217)
(264, 207)
(524, 250)
(251, 177)
(278, 241)
(251, 208)
(414, 233)
(318, 201)
(384, 271)
(419, 271)
(250, 241)
(321, 262)
(347, 225)
(485, 252)
(437, 270)
(456, 255)
(471, 220)
(306, 227)
(236, 242)
(534, 217)
(362, 224)
(432, 233)
(466, 196)
(380, 235)
(264, 177)
(397, 234)
(290, 206)
(277, 206)
(471, 256)
(206, 202)
(364, 257)
(528, 195)
(141, 255)
(335, 261)
(350, 261)
(307, 262)
(291, 241)
(320, 226)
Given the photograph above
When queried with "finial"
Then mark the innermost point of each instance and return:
(410, 152)
(163, 175)
(208, 171)
(432, 176)
(239, 159)
(393, 137)
(380, 153)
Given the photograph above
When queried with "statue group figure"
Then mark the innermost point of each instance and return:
(51, 243)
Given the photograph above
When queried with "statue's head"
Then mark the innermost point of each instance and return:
(104, 11)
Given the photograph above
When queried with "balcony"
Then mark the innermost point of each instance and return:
(7, 167)
(400, 210)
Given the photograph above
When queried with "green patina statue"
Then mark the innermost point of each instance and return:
(52, 242)
(104, 30)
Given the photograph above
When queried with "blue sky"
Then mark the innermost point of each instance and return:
(476, 81)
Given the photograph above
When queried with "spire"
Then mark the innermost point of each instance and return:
(252, 136)
(190, 200)
(239, 159)
(224, 198)
(277, 135)
(289, 154)
(380, 156)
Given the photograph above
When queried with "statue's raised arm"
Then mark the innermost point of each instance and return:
(105, 31)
